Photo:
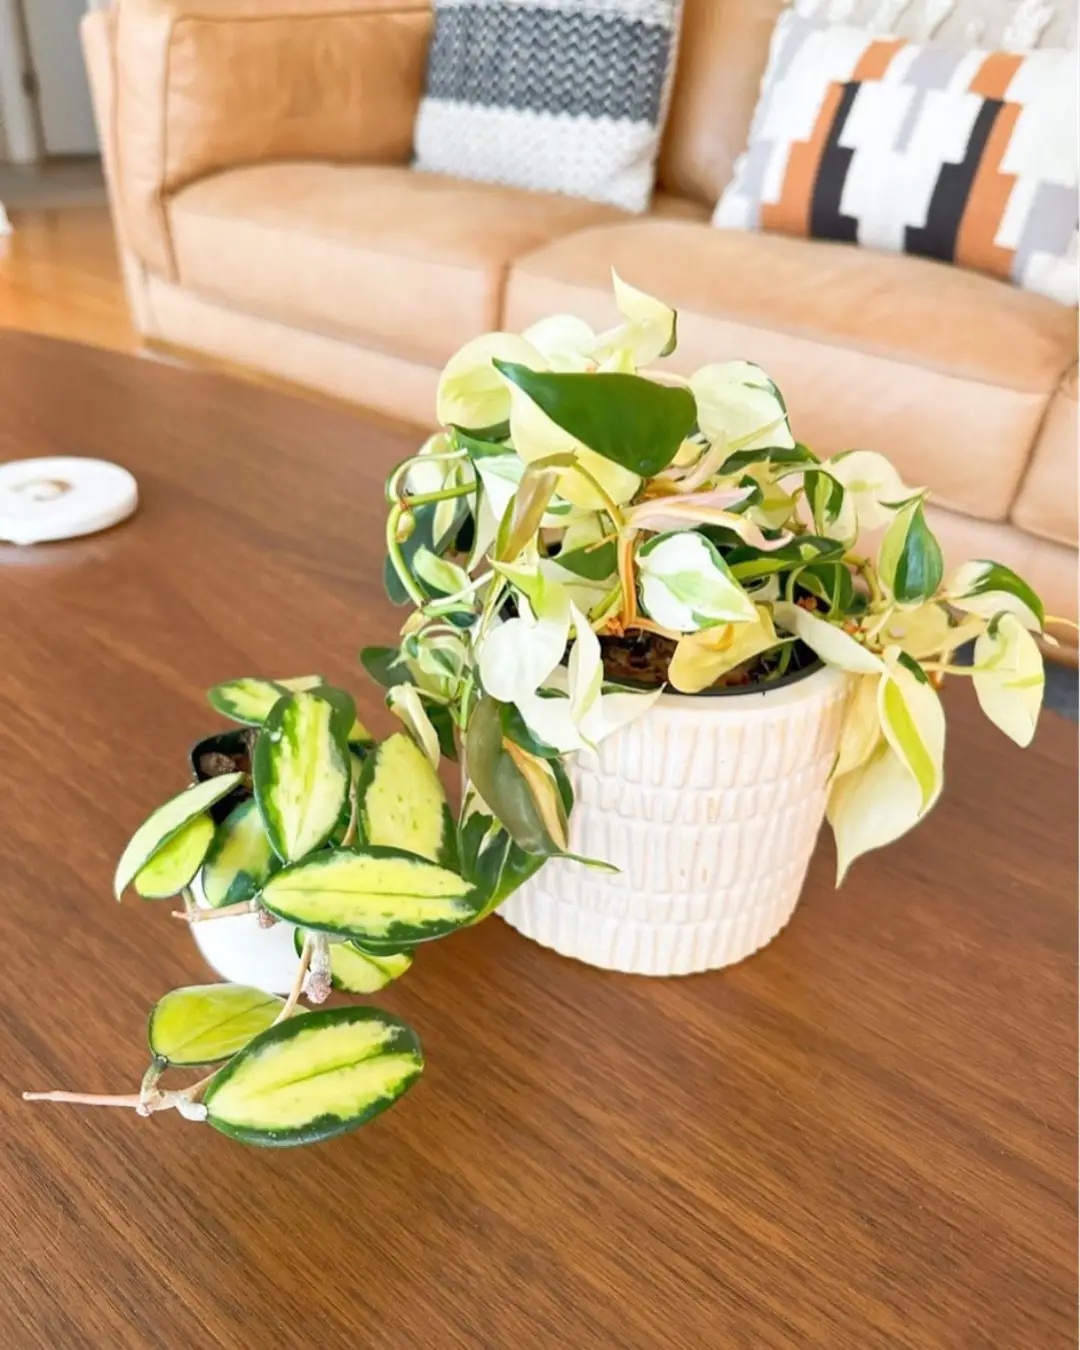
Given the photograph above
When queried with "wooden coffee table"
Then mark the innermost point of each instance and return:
(863, 1137)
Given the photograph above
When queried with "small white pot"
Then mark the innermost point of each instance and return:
(243, 952)
(711, 807)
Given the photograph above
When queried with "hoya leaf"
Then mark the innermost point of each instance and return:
(248, 700)
(353, 971)
(206, 1023)
(173, 867)
(627, 419)
(301, 772)
(166, 823)
(313, 1077)
(373, 895)
(401, 803)
(241, 858)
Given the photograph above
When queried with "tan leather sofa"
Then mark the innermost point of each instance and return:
(258, 158)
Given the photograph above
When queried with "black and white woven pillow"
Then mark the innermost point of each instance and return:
(554, 95)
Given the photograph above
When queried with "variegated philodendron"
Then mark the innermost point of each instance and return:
(575, 494)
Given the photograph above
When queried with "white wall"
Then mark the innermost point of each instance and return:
(16, 110)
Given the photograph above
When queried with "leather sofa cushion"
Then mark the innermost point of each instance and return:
(723, 50)
(408, 263)
(1047, 504)
(947, 372)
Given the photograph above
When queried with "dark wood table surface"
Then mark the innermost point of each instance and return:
(863, 1137)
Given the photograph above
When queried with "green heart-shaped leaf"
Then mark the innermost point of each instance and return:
(314, 1077)
(628, 419)
(166, 823)
(206, 1023)
(375, 896)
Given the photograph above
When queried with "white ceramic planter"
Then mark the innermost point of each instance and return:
(243, 952)
(711, 807)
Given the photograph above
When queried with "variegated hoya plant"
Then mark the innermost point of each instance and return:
(579, 512)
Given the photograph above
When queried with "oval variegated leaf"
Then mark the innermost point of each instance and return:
(173, 867)
(872, 485)
(871, 806)
(401, 802)
(374, 895)
(301, 771)
(353, 971)
(314, 1077)
(166, 823)
(250, 698)
(206, 1023)
(240, 859)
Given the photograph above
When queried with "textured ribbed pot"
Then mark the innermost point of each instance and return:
(710, 806)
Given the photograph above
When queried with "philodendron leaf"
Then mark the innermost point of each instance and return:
(301, 771)
(914, 723)
(628, 419)
(313, 1077)
(240, 859)
(492, 861)
(248, 700)
(166, 823)
(206, 1023)
(375, 896)
(686, 585)
(172, 867)
(827, 640)
(909, 561)
(401, 802)
(509, 781)
(987, 589)
(386, 666)
(1008, 677)
(353, 971)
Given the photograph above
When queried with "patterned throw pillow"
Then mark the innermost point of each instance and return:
(555, 95)
(965, 156)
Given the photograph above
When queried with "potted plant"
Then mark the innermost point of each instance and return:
(628, 590)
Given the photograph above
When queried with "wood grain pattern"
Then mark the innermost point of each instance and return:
(863, 1137)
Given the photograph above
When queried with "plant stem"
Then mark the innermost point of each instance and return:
(426, 498)
(602, 492)
(132, 1099)
(298, 983)
(393, 549)
(865, 568)
(207, 915)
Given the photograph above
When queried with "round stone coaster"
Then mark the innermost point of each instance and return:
(62, 498)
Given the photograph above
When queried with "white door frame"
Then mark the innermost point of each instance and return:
(17, 110)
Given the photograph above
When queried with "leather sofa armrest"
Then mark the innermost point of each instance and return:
(205, 85)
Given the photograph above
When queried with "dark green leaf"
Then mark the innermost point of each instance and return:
(386, 666)
(594, 562)
(746, 562)
(628, 419)
(501, 783)
(775, 454)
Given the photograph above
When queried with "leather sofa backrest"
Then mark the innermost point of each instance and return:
(723, 49)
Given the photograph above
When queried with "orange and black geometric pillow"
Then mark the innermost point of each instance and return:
(967, 157)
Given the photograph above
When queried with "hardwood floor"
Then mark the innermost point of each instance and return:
(59, 275)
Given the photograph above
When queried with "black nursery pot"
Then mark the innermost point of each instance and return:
(224, 752)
